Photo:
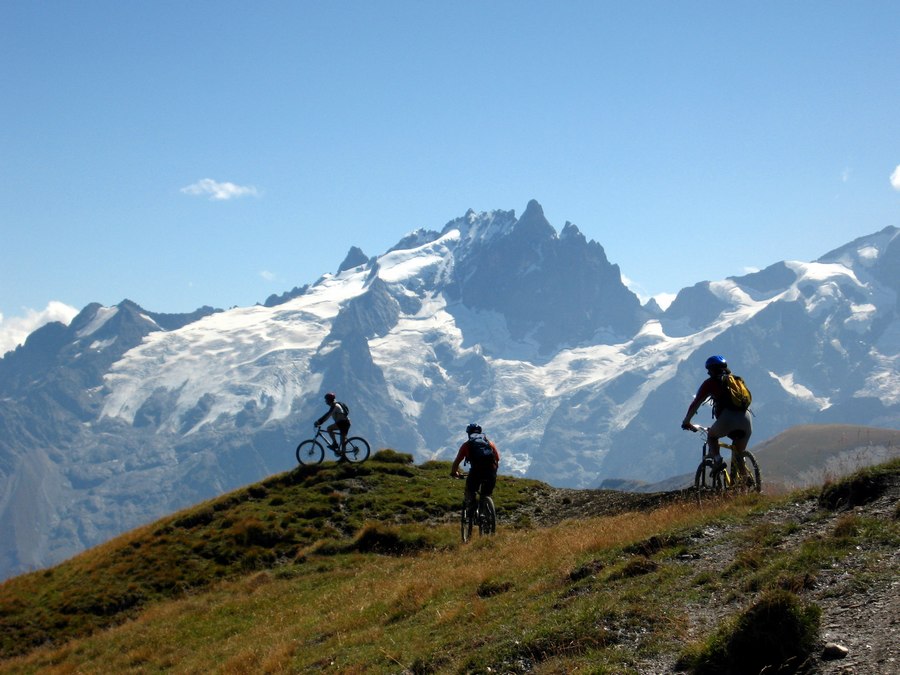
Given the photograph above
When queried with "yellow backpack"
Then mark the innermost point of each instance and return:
(737, 394)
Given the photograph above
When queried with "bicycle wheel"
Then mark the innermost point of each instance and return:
(703, 477)
(487, 520)
(466, 517)
(719, 479)
(310, 452)
(707, 482)
(356, 449)
(753, 473)
(749, 479)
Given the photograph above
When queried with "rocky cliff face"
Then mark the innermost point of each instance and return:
(555, 290)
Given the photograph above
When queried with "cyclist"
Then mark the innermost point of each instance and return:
(340, 414)
(730, 421)
(484, 459)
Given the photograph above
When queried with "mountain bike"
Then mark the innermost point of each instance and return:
(713, 479)
(312, 451)
(481, 513)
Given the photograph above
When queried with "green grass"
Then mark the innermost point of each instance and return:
(385, 505)
(777, 633)
(359, 569)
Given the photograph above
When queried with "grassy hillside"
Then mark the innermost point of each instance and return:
(359, 569)
(808, 455)
(331, 508)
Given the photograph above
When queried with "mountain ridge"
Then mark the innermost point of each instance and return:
(475, 321)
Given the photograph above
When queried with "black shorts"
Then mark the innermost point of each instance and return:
(342, 425)
(481, 479)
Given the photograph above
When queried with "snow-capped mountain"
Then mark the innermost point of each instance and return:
(125, 415)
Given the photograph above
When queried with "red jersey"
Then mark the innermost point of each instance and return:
(713, 388)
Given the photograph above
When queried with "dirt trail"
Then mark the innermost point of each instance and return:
(859, 595)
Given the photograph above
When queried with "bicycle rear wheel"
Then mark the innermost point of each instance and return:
(467, 515)
(487, 521)
(310, 452)
(752, 481)
(356, 449)
(707, 482)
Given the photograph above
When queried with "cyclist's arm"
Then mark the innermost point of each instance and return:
(496, 455)
(702, 395)
(461, 454)
(321, 420)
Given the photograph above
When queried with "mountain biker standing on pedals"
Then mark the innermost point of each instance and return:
(340, 414)
(483, 457)
(730, 420)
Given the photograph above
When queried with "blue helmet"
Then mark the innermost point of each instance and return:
(716, 362)
(473, 428)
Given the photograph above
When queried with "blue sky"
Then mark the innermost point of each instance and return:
(181, 154)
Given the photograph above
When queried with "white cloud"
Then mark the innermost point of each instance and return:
(664, 300)
(217, 191)
(635, 288)
(845, 175)
(267, 275)
(895, 178)
(14, 330)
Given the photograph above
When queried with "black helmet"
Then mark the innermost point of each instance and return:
(716, 362)
(329, 397)
(473, 428)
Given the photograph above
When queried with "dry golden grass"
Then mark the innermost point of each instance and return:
(556, 598)
(363, 613)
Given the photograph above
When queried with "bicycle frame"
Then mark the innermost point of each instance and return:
(744, 471)
(322, 435)
(312, 451)
(726, 474)
(480, 512)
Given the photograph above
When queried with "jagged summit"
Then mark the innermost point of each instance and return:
(355, 258)
(571, 231)
(534, 225)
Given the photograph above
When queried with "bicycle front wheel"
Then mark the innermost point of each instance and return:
(707, 481)
(703, 477)
(356, 449)
(310, 452)
(487, 522)
(466, 517)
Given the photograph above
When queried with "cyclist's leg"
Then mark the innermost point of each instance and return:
(472, 484)
(488, 483)
(738, 445)
(712, 442)
(344, 428)
(331, 428)
(726, 423)
(736, 424)
(487, 489)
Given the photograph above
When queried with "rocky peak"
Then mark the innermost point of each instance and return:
(571, 232)
(533, 225)
(355, 258)
(554, 290)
